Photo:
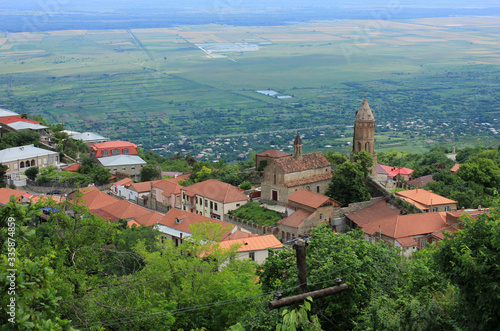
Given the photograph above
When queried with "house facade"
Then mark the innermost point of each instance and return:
(212, 198)
(255, 248)
(285, 175)
(129, 165)
(18, 159)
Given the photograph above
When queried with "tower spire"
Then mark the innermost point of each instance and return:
(297, 147)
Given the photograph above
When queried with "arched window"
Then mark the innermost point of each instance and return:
(32, 163)
(21, 165)
(359, 146)
(367, 147)
(274, 179)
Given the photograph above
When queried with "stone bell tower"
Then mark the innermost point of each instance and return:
(297, 147)
(364, 133)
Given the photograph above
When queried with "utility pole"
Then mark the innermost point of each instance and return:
(300, 248)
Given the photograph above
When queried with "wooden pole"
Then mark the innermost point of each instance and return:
(300, 248)
(301, 297)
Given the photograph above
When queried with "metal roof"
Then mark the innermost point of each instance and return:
(121, 160)
(89, 136)
(23, 152)
(26, 125)
(7, 113)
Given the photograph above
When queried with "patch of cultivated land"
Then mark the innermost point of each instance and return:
(157, 80)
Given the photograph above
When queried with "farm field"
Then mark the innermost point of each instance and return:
(157, 88)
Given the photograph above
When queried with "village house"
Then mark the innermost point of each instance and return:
(5, 114)
(380, 210)
(255, 248)
(306, 210)
(176, 226)
(6, 193)
(113, 148)
(212, 198)
(126, 165)
(427, 201)
(166, 193)
(420, 181)
(18, 159)
(287, 174)
(392, 177)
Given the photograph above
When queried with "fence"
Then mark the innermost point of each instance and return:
(252, 227)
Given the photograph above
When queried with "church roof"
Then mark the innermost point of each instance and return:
(309, 161)
(274, 153)
(364, 113)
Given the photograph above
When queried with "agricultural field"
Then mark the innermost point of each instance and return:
(429, 81)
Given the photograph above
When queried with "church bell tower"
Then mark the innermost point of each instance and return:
(364, 133)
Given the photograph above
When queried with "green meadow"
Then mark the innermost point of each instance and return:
(152, 85)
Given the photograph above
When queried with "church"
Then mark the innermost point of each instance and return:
(286, 174)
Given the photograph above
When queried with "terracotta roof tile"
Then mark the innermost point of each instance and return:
(74, 167)
(296, 219)
(401, 226)
(393, 171)
(379, 210)
(172, 218)
(274, 153)
(311, 199)
(421, 181)
(143, 186)
(113, 144)
(253, 243)
(149, 219)
(9, 120)
(6, 193)
(238, 234)
(123, 182)
(309, 161)
(217, 191)
(125, 209)
(455, 167)
(424, 198)
(93, 198)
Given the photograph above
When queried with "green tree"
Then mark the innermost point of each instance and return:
(150, 172)
(348, 184)
(335, 158)
(365, 160)
(31, 173)
(245, 185)
(470, 259)
(3, 171)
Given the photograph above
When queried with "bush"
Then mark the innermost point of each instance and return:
(31, 173)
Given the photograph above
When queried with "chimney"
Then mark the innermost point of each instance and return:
(479, 207)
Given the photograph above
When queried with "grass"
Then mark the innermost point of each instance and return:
(254, 213)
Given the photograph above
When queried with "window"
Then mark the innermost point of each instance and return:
(317, 189)
(125, 151)
(206, 203)
(320, 216)
(114, 169)
(215, 205)
(124, 168)
(274, 179)
(51, 159)
(105, 153)
(237, 205)
(32, 163)
(447, 208)
(435, 209)
(21, 165)
(196, 200)
(15, 166)
(115, 152)
(211, 205)
(423, 242)
(251, 256)
(133, 168)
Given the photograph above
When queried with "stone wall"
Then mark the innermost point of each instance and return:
(252, 227)
(61, 187)
(359, 205)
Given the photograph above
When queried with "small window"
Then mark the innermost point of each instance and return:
(435, 209)
(447, 208)
(115, 152)
(124, 168)
(320, 216)
(115, 168)
(215, 205)
(211, 205)
(237, 205)
(317, 189)
(105, 153)
(206, 203)
(125, 151)
(251, 256)
(44, 160)
(21, 165)
(133, 168)
(15, 166)
(51, 159)
(423, 242)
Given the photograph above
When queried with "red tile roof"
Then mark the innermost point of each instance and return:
(296, 219)
(6, 193)
(422, 198)
(455, 168)
(217, 191)
(143, 186)
(93, 198)
(149, 219)
(74, 167)
(124, 182)
(253, 243)
(181, 220)
(311, 199)
(380, 210)
(238, 234)
(9, 120)
(125, 209)
(113, 144)
(274, 153)
(421, 181)
(404, 226)
(171, 185)
(393, 171)
(309, 161)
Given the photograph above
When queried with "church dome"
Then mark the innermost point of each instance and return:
(364, 113)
